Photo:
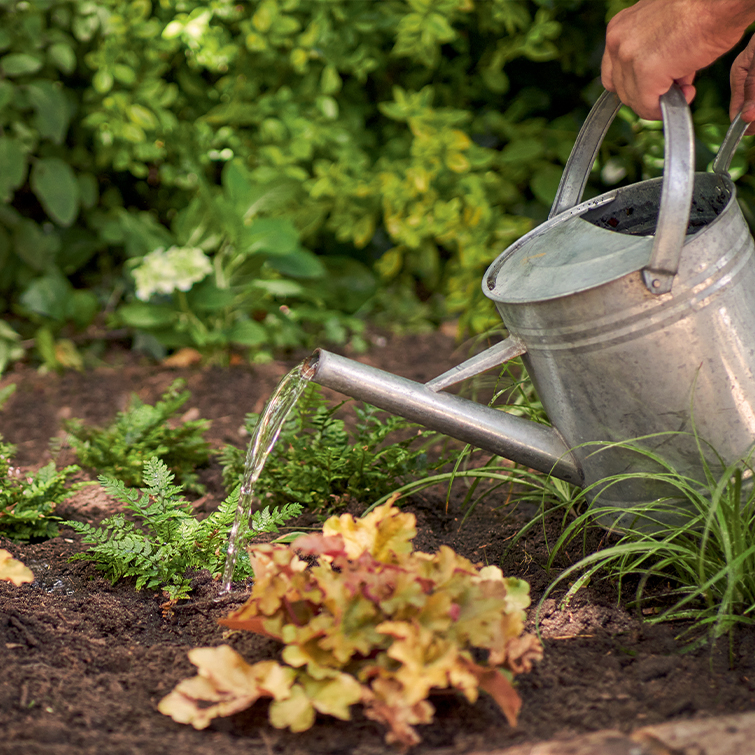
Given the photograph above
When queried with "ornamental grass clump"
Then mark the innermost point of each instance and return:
(698, 542)
(372, 622)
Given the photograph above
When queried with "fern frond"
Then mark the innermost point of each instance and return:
(269, 520)
(166, 541)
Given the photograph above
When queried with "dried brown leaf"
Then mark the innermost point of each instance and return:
(12, 570)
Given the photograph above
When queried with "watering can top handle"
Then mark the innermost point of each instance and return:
(676, 189)
(729, 145)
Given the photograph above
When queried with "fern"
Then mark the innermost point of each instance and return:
(28, 499)
(316, 461)
(166, 541)
(141, 432)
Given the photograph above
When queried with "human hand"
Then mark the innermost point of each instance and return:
(742, 80)
(655, 43)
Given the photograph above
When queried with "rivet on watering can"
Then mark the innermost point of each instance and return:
(656, 283)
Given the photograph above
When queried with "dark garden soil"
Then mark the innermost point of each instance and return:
(84, 663)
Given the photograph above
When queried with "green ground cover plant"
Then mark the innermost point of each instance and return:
(141, 432)
(165, 540)
(28, 499)
(373, 622)
(317, 462)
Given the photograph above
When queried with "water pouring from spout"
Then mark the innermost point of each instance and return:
(266, 433)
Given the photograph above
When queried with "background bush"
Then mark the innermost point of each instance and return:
(261, 175)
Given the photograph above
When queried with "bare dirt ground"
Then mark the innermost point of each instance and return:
(85, 663)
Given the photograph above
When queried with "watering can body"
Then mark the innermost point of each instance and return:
(634, 313)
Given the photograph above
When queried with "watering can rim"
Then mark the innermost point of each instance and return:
(490, 279)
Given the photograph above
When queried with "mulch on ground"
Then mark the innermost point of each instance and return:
(85, 662)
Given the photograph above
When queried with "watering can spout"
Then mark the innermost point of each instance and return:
(528, 443)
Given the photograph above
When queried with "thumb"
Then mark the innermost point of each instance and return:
(748, 106)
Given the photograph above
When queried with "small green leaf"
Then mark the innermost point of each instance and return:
(270, 235)
(102, 81)
(330, 80)
(48, 296)
(247, 333)
(125, 74)
(143, 315)
(12, 167)
(84, 27)
(327, 106)
(142, 117)
(205, 296)
(19, 64)
(62, 57)
(6, 93)
(52, 116)
(35, 246)
(300, 263)
(54, 184)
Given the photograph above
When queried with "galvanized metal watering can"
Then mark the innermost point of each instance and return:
(634, 313)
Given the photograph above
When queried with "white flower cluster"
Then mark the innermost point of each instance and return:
(164, 271)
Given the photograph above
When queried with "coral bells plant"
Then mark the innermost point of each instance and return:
(373, 622)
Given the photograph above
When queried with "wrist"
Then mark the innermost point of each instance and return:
(731, 15)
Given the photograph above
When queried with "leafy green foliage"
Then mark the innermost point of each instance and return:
(373, 622)
(166, 540)
(699, 542)
(28, 499)
(384, 153)
(45, 183)
(222, 281)
(317, 462)
(140, 433)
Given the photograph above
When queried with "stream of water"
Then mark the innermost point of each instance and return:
(269, 425)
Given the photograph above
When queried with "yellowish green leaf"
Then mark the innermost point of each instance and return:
(12, 570)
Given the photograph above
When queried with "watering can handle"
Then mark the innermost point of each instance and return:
(676, 189)
(729, 145)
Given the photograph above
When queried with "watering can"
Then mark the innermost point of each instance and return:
(634, 314)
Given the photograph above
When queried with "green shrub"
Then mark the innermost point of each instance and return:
(403, 145)
(28, 499)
